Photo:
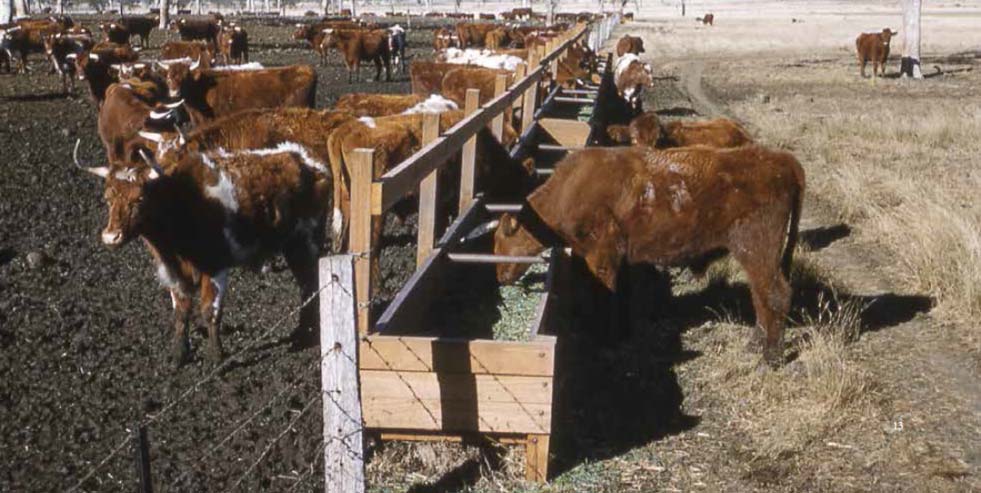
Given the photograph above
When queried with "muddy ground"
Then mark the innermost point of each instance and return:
(83, 329)
(83, 333)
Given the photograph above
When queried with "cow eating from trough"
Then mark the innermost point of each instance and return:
(203, 214)
(638, 205)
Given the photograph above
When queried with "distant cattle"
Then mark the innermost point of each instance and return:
(396, 46)
(62, 50)
(874, 47)
(115, 33)
(139, 26)
(360, 45)
(707, 19)
(632, 76)
(444, 38)
(473, 33)
(197, 29)
(630, 44)
(26, 37)
(638, 205)
(202, 215)
(233, 45)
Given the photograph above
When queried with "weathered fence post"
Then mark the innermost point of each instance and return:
(529, 100)
(141, 447)
(343, 427)
(467, 172)
(497, 124)
(361, 218)
(427, 195)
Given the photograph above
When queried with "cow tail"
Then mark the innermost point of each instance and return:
(797, 202)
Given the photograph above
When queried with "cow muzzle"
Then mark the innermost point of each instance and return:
(174, 93)
(112, 239)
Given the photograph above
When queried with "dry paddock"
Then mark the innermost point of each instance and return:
(882, 394)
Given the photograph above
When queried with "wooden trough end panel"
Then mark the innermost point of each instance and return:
(568, 133)
(456, 385)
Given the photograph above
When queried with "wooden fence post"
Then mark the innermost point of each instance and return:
(426, 236)
(467, 171)
(497, 124)
(343, 426)
(529, 102)
(519, 73)
(362, 175)
(142, 451)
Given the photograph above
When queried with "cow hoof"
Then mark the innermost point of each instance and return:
(774, 357)
(754, 344)
(181, 353)
(216, 354)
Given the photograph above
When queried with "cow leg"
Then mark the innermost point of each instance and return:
(378, 70)
(181, 344)
(301, 257)
(213, 290)
(861, 66)
(758, 248)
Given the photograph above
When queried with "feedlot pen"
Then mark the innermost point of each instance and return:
(400, 377)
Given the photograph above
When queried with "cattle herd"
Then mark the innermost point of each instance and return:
(217, 163)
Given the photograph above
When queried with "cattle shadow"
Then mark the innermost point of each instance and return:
(677, 111)
(33, 98)
(465, 475)
(823, 236)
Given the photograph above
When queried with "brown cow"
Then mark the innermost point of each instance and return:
(94, 66)
(473, 33)
(62, 50)
(647, 130)
(708, 19)
(308, 32)
(191, 50)
(371, 104)
(26, 37)
(202, 215)
(444, 38)
(639, 205)
(122, 115)
(630, 44)
(197, 29)
(395, 138)
(233, 45)
(497, 38)
(217, 92)
(139, 26)
(115, 33)
(361, 45)
(874, 47)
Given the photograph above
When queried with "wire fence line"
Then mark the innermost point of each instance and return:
(191, 389)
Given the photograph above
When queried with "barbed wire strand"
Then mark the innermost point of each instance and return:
(195, 386)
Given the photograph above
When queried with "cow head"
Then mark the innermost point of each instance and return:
(302, 32)
(87, 64)
(511, 238)
(127, 188)
(178, 74)
(330, 38)
(886, 36)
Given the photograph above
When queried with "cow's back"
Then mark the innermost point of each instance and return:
(233, 91)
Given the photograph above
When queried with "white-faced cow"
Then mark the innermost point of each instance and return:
(204, 214)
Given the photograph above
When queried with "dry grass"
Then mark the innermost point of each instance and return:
(784, 411)
(905, 174)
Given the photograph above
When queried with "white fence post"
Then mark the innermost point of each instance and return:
(343, 425)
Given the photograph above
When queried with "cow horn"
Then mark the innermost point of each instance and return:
(151, 136)
(156, 115)
(151, 162)
(181, 138)
(481, 230)
(100, 171)
(176, 104)
(94, 56)
(196, 64)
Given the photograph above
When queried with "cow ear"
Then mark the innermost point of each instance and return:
(604, 252)
(509, 224)
(529, 165)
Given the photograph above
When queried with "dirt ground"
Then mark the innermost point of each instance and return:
(883, 394)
